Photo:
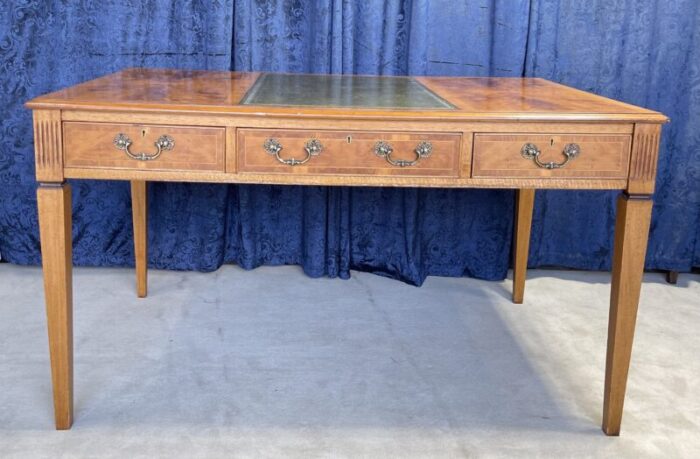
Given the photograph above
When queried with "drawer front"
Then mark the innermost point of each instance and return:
(308, 152)
(556, 155)
(151, 147)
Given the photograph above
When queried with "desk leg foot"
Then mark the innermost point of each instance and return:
(631, 234)
(54, 204)
(525, 200)
(139, 211)
(672, 277)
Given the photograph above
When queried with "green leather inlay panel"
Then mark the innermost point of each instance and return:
(342, 91)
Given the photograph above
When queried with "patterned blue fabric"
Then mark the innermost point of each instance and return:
(646, 53)
(642, 52)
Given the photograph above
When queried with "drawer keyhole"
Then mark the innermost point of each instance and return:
(143, 133)
(349, 138)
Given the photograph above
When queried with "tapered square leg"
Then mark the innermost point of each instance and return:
(54, 203)
(525, 201)
(139, 210)
(631, 234)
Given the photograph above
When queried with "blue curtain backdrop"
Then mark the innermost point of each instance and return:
(645, 53)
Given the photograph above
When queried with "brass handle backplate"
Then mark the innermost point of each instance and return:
(312, 148)
(164, 142)
(384, 150)
(530, 151)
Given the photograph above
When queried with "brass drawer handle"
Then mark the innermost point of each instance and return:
(384, 150)
(164, 142)
(273, 146)
(530, 151)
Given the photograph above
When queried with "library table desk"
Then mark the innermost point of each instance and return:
(196, 126)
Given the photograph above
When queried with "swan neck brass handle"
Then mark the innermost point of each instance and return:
(164, 142)
(312, 148)
(530, 151)
(384, 150)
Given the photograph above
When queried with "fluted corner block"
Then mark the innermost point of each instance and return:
(48, 146)
(643, 162)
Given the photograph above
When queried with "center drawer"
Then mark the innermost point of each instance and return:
(309, 152)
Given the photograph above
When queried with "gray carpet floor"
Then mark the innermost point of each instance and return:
(272, 363)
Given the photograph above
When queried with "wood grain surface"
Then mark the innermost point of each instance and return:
(195, 149)
(54, 205)
(349, 152)
(631, 235)
(139, 211)
(48, 153)
(601, 156)
(167, 90)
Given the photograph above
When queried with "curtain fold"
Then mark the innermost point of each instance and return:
(645, 53)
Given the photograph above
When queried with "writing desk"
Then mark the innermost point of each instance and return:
(228, 127)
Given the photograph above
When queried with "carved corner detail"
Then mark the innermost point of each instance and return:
(48, 146)
(645, 152)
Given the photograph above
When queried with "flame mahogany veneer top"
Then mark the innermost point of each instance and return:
(449, 98)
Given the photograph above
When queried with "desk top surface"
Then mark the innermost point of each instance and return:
(341, 96)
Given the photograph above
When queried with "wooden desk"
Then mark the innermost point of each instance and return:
(171, 125)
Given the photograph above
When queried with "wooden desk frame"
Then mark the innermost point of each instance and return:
(52, 150)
